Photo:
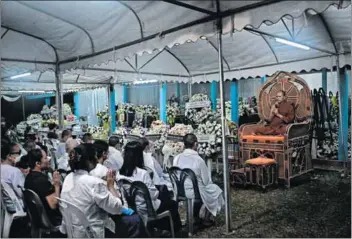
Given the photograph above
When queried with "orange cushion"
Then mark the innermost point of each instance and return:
(260, 161)
(264, 137)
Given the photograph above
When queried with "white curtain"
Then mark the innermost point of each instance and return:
(92, 101)
(10, 99)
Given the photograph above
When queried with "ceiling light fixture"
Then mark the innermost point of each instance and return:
(144, 82)
(21, 75)
(294, 44)
(31, 91)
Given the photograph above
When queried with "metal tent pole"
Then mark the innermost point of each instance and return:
(59, 101)
(341, 140)
(223, 129)
(23, 109)
(351, 78)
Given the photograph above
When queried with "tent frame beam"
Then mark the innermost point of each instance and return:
(28, 61)
(217, 50)
(63, 20)
(327, 28)
(179, 60)
(175, 29)
(2, 36)
(35, 37)
(136, 15)
(275, 36)
(125, 71)
(189, 6)
(146, 63)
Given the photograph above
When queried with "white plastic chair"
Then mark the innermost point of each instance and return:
(67, 210)
(10, 216)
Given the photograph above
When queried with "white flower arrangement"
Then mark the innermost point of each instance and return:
(66, 109)
(199, 97)
(181, 129)
(138, 131)
(157, 127)
(34, 116)
(210, 148)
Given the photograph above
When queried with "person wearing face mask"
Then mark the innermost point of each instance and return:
(39, 182)
(9, 173)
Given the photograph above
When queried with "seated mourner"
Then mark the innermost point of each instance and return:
(11, 175)
(210, 193)
(97, 198)
(132, 169)
(114, 160)
(149, 161)
(37, 181)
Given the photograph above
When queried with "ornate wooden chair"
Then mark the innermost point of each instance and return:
(291, 151)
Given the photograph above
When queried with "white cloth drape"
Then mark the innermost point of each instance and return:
(92, 101)
(10, 99)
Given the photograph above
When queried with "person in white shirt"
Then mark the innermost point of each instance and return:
(132, 169)
(100, 169)
(9, 173)
(96, 198)
(62, 162)
(114, 160)
(159, 178)
(61, 149)
(210, 193)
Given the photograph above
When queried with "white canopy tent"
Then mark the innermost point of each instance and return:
(88, 42)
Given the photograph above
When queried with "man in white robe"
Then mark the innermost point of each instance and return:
(210, 193)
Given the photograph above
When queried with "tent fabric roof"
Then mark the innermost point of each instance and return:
(69, 31)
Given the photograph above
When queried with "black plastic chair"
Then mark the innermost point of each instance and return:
(125, 187)
(140, 189)
(189, 174)
(175, 175)
(150, 171)
(40, 222)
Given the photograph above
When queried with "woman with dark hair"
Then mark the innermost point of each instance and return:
(97, 198)
(162, 182)
(132, 169)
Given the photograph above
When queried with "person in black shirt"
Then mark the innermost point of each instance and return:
(40, 184)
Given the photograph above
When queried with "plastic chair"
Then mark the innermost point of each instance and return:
(175, 175)
(150, 171)
(139, 188)
(11, 209)
(67, 210)
(125, 187)
(189, 174)
(40, 222)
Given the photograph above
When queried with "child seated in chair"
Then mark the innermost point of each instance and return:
(282, 113)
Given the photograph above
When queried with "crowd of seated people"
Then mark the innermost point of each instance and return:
(87, 174)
